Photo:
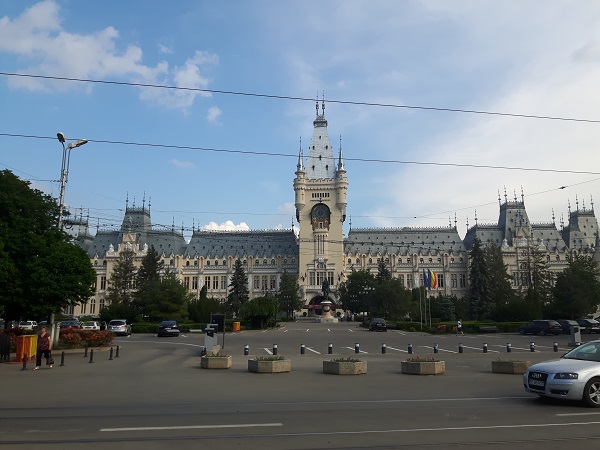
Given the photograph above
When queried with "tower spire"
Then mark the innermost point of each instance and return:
(341, 160)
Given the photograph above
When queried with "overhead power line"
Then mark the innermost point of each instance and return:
(286, 97)
(289, 155)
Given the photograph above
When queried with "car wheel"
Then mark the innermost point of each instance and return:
(591, 393)
(522, 331)
(542, 332)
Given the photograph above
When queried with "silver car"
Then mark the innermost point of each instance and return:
(574, 376)
(120, 327)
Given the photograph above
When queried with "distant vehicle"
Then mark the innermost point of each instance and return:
(168, 328)
(27, 324)
(377, 325)
(120, 327)
(93, 326)
(574, 376)
(70, 323)
(567, 324)
(588, 325)
(541, 327)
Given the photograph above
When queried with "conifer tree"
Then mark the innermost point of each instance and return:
(480, 301)
(238, 289)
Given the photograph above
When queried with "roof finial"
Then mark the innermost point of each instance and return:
(144, 201)
(515, 194)
(317, 104)
(553, 217)
(467, 222)
(505, 196)
(127, 200)
(341, 160)
(149, 201)
(350, 222)
(499, 199)
(323, 102)
(475, 217)
(576, 202)
(522, 196)
(592, 202)
(569, 207)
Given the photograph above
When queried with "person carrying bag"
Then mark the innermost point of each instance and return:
(43, 348)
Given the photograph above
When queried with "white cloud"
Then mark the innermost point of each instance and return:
(182, 164)
(164, 49)
(226, 226)
(213, 114)
(38, 37)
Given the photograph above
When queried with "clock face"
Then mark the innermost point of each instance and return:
(321, 212)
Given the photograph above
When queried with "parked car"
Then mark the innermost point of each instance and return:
(377, 325)
(120, 327)
(588, 325)
(168, 328)
(541, 327)
(574, 376)
(70, 323)
(567, 324)
(27, 324)
(94, 326)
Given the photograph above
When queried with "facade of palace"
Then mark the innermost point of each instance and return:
(321, 252)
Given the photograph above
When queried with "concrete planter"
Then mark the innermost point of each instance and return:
(510, 367)
(216, 362)
(423, 367)
(345, 367)
(266, 366)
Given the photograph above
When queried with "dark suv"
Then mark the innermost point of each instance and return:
(589, 326)
(541, 327)
(377, 325)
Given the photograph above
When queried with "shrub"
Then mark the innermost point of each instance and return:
(270, 358)
(421, 359)
(74, 338)
(348, 359)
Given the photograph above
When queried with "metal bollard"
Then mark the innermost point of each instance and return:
(302, 349)
(484, 347)
(555, 346)
(357, 348)
(410, 349)
(62, 359)
(508, 348)
(532, 347)
(460, 348)
(25, 357)
(383, 349)
(330, 349)
(274, 349)
(246, 349)
(117, 352)
(435, 348)
(111, 354)
(85, 353)
(91, 356)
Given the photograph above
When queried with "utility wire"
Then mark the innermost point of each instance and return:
(288, 155)
(286, 97)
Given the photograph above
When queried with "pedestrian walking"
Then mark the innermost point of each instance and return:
(43, 348)
(459, 328)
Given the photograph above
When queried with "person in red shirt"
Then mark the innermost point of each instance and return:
(43, 348)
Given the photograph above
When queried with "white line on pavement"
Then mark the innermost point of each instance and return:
(352, 348)
(479, 348)
(440, 349)
(194, 427)
(314, 351)
(268, 351)
(397, 349)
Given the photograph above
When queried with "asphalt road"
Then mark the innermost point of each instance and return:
(154, 395)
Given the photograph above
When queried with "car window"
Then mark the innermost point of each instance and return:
(117, 322)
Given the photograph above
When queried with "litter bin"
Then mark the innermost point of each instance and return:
(26, 345)
(236, 326)
(575, 336)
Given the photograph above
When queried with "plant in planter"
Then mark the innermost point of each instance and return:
(216, 360)
(345, 366)
(510, 366)
(423, 366)
(269, 364)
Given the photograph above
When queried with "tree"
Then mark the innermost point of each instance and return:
(355, 293)
(147, 279)
(480, 300)
(41, 271)
(383, 272)
(200, 309)
(391, 299)
(121, 289)
(168, 299)
(288, 294)
(260, 311)
(499, 281)
(577, 289)
(238, 288)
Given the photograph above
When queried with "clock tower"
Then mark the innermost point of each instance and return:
(321, 198)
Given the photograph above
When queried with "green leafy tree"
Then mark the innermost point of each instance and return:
(238, 289)
(41, 271)
(480, 299)
(577, 289)
(356, 292)
(122, 289)
(167, 299)
(391, 299)
(288, 294)
(260, 311)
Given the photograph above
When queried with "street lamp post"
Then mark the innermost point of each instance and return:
(64, 176)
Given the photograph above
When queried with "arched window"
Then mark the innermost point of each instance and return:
(207, 263)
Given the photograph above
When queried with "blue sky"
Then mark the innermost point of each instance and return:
(528, 57)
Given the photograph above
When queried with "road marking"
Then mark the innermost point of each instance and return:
(351, 331)
(397, 349)
(353, 348)
(194, 427)
(268, 351)
(440, 349)
(314, 351)
(479, 348)
(578, 414)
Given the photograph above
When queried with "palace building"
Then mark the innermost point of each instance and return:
(320, 252)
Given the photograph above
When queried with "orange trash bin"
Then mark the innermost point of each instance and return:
(26, 345)
(236, 326)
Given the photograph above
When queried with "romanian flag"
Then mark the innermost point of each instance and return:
(432, 280)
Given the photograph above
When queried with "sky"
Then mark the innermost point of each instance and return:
(218, 148)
